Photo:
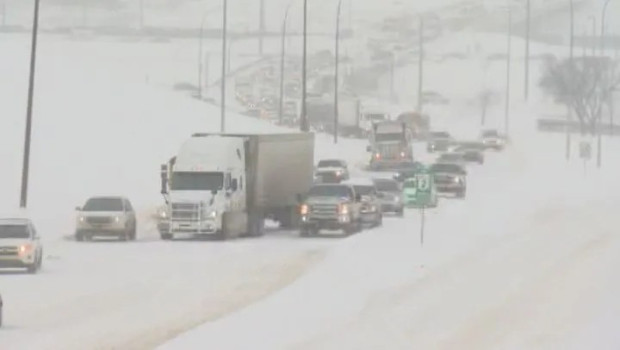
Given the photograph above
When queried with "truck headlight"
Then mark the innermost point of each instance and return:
(304, 209)
(117, 219)
(81, 219)
(212, 214)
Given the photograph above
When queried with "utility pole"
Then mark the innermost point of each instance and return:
(593, 34)
(141, 14)
(23, 202)
(223, 87)
(599, 153)
(261, 27)
(421, 66)
(282, 63)
(3, 13)
(337, 72)
(527, 49)
(304, 118)
(508, 64)
(571, 58)
(206, 72)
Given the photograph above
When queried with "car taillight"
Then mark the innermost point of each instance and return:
(343, 209)
(304, 209)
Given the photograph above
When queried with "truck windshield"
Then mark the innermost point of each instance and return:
(194, 181)
(388, 137)
(13, 231)
(103, 204)
(332, 163)
(330, 191)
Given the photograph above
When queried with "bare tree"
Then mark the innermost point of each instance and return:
(585, 86)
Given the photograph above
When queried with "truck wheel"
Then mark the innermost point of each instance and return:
(32, 269)
(257, 225)
(400, 212)
(461, 194)
(165, 236)
(79, 236)
(379, 221)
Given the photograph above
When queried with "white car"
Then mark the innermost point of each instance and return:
(493, 140)
(20, 245)
(332, 170)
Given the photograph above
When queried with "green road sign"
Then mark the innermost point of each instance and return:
(424, 187)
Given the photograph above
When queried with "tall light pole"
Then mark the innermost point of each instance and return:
(508, 64)
(304, 118)
(282, 58)
(337, 72)
(223, 87)
(23, 202)
(261, 26)
(599, 142)
(527, 49)
(200, 53)
(593, 19)
(571, 60)
(421, 66)
(3, 13)
(141, 14)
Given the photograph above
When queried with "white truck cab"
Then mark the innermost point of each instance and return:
(205, 175)
(227, 185)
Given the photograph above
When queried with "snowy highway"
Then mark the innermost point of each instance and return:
(528, 260)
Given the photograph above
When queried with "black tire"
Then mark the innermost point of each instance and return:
(134, 232)
(79, 236)
(165, 236)
(32, 269)
(461, 194)
(304, 232)
(400, 213)
(379, 221)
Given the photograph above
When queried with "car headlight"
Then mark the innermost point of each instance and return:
(81, 219)
(213, 214)
(117, 219)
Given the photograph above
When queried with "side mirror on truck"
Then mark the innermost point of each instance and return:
(164, 179)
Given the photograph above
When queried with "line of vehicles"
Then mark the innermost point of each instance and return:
(228, 186)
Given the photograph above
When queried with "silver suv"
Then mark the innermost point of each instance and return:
(20, 245)
(106, 217)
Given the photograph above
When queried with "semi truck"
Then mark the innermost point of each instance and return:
(226, 185)
(321, 115)
(390, 144)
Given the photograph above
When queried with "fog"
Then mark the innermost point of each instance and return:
(515, 249)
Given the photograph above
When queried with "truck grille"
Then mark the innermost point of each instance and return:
(8, 251)
(390, 151)
(98, 220)
(185, 211)
(324, 211)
